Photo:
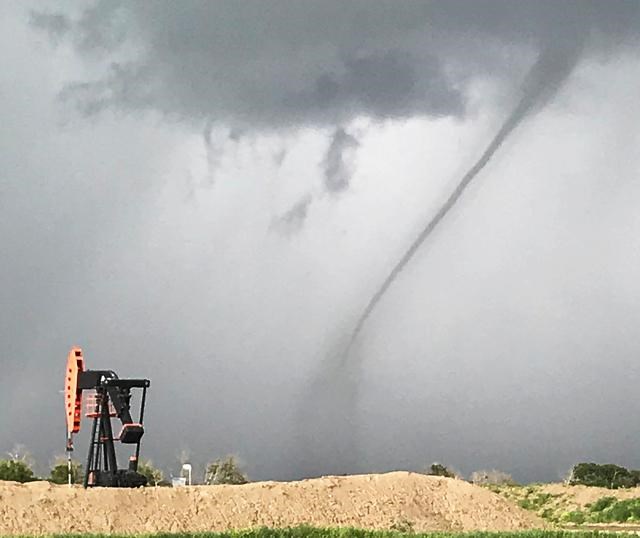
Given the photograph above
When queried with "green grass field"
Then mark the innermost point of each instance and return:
(311, 532)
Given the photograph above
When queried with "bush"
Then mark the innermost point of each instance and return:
(610, 510)
(60, 473)
(606, 510)
(155, 477)
(437, 469)
(403, 525)
(604, 476)
(574, 517)
(602, 504)
(16, 471)
(225, 471)
(536, 501)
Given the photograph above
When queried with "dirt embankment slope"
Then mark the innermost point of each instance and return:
(368, 501)
(558, 503)
(579, 497)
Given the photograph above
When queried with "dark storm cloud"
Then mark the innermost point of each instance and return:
(381, 86)
(488, 354)
(271, 64)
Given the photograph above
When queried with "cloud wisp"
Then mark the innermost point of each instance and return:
(339, 162)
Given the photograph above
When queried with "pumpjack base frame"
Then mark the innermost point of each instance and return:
(121, 478)
(102, 466)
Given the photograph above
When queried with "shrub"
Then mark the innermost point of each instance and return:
(601, 504)
(536, 501)
(16, 471)
(60, 473)
(225, 471)
(437, 469)
(574, 517)
(610, 510)
(403, 525)
(606, 510)
(155, 477)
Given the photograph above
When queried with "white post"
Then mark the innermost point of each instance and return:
(69, 465)
(187, 467)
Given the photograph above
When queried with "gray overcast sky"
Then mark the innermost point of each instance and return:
(207, 193)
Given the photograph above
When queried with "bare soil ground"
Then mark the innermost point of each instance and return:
(392, 500)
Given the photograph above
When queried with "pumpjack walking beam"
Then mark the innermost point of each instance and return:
(111, 398)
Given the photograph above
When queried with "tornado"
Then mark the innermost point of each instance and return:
(327, 422)
(552, 67)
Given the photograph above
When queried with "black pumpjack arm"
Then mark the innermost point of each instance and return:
(102, 462)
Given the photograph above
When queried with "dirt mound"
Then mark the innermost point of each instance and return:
(385, 501)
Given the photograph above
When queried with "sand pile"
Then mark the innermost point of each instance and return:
(367, 501)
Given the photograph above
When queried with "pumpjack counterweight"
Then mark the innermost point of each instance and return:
(109, 397)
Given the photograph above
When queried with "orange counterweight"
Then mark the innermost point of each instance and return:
(73, 395)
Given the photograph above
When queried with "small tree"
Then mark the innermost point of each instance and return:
(604, 476)
(60, 472)
(225, 471)
(19, 452)
(16, 471)
(154, 475)
(437, 469)
(493, 477)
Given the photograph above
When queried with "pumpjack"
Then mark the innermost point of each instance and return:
(107, 397)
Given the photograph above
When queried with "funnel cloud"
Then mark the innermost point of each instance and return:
(552, 67)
